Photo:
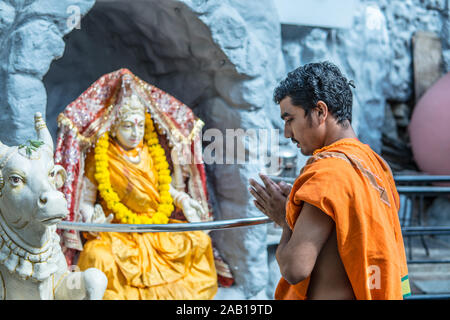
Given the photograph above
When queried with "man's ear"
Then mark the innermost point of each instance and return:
(322, 111)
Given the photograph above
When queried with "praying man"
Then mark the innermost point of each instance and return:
(341, 235)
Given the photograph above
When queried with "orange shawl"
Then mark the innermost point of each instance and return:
(135, 184)
(354, 186)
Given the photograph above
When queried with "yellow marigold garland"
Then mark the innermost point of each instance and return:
(121, 212)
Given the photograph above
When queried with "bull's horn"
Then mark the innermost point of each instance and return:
(3, 149)
(42, 131)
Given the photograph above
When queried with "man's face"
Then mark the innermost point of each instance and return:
(303, 130)
(130, 131)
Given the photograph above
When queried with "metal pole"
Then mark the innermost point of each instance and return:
(421, 178)
(211, 225)
(172, 227)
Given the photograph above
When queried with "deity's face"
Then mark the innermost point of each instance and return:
(130, 131)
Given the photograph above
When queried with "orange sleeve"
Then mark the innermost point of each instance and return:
(395, 194)
(325, 184)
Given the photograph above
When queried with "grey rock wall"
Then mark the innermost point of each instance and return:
(360, 53)
(249, 34)
(352, 51)
(404, 18)
(375, 53)
(30, 39)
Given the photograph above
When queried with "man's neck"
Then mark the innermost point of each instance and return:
(339, 133)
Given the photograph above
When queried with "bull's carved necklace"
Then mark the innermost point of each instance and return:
(24, 260)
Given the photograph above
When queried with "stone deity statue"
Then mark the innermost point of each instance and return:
(131, 147)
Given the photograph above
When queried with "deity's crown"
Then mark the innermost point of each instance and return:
(130, 104)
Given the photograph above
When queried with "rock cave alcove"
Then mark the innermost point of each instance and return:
(180, 51)
(158, 46)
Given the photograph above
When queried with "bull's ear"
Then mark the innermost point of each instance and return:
(60, 176)
(42, 131)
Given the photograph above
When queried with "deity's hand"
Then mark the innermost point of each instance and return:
(192, 209)
(87, 211)
(271, 198)
(94, 214)
(99, 215)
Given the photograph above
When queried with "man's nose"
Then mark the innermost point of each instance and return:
(287, 132)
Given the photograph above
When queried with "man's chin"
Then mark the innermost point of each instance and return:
(305, 152)
(302, 150)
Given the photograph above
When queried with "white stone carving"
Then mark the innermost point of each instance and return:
(32, 265)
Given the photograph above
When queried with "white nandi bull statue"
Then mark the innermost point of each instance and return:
(32, 265)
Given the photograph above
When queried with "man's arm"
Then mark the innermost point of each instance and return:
(298, 249)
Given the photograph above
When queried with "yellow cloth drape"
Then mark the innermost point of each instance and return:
(177, 265)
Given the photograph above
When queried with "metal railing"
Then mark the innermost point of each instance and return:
(172, 227)
(412, 189)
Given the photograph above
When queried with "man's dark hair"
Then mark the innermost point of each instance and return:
(312, 82)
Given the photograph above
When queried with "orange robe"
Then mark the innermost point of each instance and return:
(354, 186)
(147, 266)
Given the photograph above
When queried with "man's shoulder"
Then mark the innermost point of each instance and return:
(329, 162)
(325, 173)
